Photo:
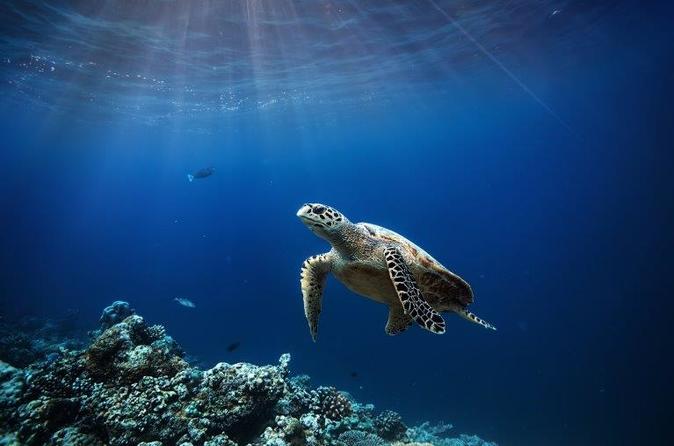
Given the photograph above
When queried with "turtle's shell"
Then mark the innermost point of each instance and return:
(441, 288)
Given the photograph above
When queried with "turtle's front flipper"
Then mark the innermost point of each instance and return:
(398, 321)
(314, 272)
(409, 294)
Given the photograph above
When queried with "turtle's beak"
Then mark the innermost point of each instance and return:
(304, 210)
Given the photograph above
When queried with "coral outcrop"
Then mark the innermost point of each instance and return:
(130, 350)
(331, 404)
(132, 386)
(31, 339)
(390, 426)
(12, 383)
(115, 313)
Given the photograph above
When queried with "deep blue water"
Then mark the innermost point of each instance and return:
(528, 150)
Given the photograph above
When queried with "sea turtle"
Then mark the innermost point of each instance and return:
(384, 266)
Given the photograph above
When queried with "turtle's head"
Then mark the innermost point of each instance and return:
(323, 220)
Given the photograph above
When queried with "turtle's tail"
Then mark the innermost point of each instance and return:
(467, 315)
(190, 177)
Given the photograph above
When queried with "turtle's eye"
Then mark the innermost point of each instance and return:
(318, 210)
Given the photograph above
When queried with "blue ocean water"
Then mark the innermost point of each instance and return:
(525, 145)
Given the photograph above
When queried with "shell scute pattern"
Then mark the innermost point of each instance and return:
(444, 289)
(412, 250)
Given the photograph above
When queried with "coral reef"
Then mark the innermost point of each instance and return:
(428, 433)
(115, 313)
(129, 350)
(437, 435)
(331, 404)
(390, 426)
(132, 386)
(12, 382)
(360, 438)
(32, 339)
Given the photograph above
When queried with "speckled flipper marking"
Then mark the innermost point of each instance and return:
(314, 272)
(398, 321)
(474, 319)
(409, 294)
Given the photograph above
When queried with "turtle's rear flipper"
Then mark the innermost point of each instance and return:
(398, 321)
(314, 272)
(467, 315)
(409, 294)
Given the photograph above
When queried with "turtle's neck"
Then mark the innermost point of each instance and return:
(347, 240)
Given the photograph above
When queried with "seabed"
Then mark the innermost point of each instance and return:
(128, 383)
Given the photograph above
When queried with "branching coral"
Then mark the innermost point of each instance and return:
(331, 403)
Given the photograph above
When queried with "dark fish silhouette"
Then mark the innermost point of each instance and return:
(201, 173)
(354, 375)
(233, 346)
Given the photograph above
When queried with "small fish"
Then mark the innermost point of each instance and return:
(354, 375)
(233, 346)
(201, 173)
(185, 302)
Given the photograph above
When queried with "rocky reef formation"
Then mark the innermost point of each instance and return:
(132, 386)
(32, 339)
(114, 314)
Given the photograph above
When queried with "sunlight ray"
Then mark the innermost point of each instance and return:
(500, 65)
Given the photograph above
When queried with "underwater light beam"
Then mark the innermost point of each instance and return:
(499, 64)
